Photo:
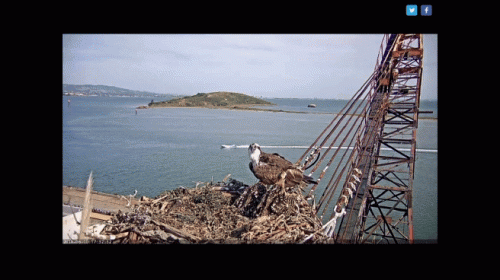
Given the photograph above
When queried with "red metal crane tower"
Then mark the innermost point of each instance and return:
(375, 136)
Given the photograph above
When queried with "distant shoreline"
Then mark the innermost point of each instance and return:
(239, 107)
(245, 108)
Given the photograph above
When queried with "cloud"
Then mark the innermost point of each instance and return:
(273, 65)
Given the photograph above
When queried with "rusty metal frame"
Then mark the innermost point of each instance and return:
(378, 207)
(393, 170)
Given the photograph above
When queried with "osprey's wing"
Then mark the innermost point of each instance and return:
(251, 167)
(267, 173)
(275, 159)
(293, 177)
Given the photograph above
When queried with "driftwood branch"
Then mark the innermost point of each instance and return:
(176, 231)
(87, 208)
(156, 200)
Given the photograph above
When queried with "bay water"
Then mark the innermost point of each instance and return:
(161, 149)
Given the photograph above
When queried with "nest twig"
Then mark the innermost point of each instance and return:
(223, 212)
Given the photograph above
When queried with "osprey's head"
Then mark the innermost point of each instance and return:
(254, 153)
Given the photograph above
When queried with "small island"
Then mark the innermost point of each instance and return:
(220, 100)
(214, 100)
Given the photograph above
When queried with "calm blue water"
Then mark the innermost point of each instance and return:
(162, 149)
(331, 105)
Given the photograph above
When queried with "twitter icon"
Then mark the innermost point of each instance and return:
(411, 10)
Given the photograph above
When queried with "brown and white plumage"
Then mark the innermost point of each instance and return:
(268, 168)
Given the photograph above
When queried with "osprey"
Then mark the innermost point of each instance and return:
(271, 169)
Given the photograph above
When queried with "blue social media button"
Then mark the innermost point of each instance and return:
(411, 10)
(426, 10)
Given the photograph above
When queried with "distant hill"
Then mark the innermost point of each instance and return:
(220, 99)
(101, 90)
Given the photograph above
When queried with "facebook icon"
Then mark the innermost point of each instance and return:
(426, 10)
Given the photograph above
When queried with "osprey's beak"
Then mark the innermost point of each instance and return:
(252, 147)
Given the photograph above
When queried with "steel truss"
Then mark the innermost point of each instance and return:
(387, 215)
(375, 201)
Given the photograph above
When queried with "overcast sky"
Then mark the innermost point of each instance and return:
(296, 65)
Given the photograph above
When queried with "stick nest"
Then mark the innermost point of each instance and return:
(220, 213)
